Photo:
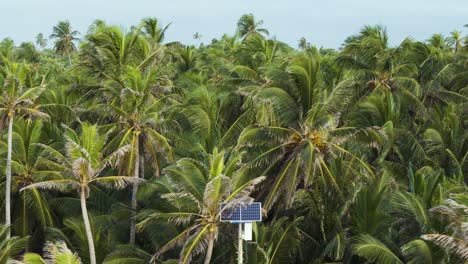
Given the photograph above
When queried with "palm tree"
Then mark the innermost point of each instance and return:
(197, 36)
(10, 246)
(109, 50)
(16, 100)
(278, 241)
(110, 54)
(296, 137)
(81, 165)
(139, 120)
(377, 67)
(41, 41)
(457, 241)
(54, 252)
(247, 26)
(30, 208)
(303, 43)
(153, 29)
(65, 38)
(195, 190)
(456, 41)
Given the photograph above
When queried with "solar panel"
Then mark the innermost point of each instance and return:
(230, 214)
(242, 212)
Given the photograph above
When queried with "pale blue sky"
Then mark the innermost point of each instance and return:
(324, 23)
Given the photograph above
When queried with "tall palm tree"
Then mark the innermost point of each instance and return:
(139, 120)
(65, 38)
(195, 189)
(247, 26)
(81, 165)
(16, 101)
(30, 208)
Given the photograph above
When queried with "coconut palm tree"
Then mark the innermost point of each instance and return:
(303, 43)
(10, 246)
(29, 208)
(109, 50)
(16, 101)
(197, 36)
(41, 41)
(247, 26)
(154, 30)
(455, 210)
(54, 252)
(65, 38)
(195, 188)
(377, 67)
(81, 165)
(456, 41)
(139, 120)
(296, 137)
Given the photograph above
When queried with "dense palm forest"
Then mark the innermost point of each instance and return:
(118, 147)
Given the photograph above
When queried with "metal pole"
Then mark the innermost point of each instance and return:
(240, 248)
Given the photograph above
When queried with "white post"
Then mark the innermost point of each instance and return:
(240, 249)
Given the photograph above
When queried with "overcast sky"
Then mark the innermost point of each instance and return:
(323, 22)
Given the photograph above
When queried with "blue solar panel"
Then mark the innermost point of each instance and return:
(242, 213)
(230, 214)
(252, 212)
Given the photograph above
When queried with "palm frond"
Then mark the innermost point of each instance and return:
(457, 246)
(372, 249)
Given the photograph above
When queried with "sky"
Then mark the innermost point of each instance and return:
(324, 23)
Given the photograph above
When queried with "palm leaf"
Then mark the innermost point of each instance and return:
(373, 250)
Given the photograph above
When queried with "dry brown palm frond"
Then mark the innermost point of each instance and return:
(452, 244)
(59, 185)
(117, 182)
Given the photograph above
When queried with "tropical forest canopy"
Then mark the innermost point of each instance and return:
(118, 147)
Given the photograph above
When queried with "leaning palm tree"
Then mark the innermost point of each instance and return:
(81, 165)
(247, 26)
(195, 190)
(65, 38)
(16, 101)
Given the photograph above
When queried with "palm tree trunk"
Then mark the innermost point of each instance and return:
(136, 170)
(89, 233)
(25, 221)
(209, 250)
(8, 176)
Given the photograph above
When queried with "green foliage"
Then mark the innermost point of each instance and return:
(358, 155)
